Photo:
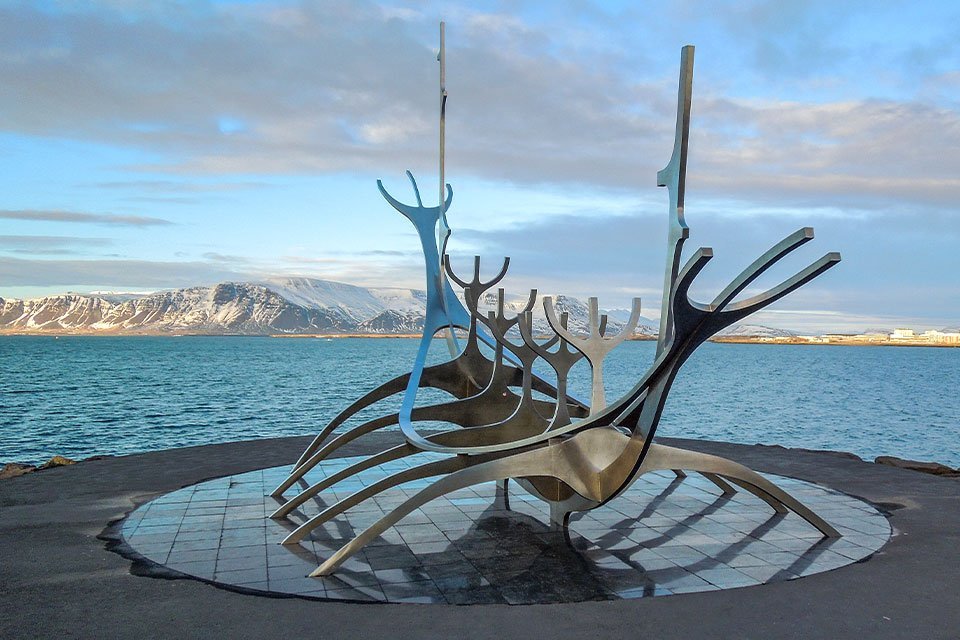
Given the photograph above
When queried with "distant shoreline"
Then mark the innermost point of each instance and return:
(833, 341)
(394, 335)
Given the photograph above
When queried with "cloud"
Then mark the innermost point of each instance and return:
(536, 97)
(179, 186)
(82, 218)
(49, 245)
(389, 253)
(617, 257)
(111, 274)
(224, 258)
(403, 269)
(862, 153)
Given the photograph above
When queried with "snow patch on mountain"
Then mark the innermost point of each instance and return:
(754, 331)
(406, 300)
(347, 300)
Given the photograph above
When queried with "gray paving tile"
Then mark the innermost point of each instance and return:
(203, 570)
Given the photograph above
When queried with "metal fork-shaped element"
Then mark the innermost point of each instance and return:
(475, 288)
(561, 361)
(473, 292)
(499, 325)
(595, 346)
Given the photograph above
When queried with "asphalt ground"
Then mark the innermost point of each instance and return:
(58, 579)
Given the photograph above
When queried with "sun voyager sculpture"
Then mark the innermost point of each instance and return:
(581, 456)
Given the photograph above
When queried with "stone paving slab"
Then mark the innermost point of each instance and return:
(58, 580)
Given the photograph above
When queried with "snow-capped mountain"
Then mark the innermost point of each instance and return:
(754, 331)
(242, 308)
(276, 306)
(393, 322)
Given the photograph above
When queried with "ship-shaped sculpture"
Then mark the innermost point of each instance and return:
(581, 456)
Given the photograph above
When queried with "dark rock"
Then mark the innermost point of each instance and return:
(57, 461)
(828, 452)
(933, 468)
(14, 469)
(839, 454)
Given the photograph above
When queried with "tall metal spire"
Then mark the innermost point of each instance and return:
(673, 177)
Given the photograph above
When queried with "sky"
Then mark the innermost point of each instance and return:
(149, 145)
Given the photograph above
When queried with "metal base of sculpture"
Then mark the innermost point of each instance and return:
(571, 457)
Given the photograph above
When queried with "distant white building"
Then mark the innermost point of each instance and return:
(903, 334)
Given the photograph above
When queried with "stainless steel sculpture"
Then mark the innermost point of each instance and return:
(572, 457)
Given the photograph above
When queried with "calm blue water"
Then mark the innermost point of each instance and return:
(82, 396)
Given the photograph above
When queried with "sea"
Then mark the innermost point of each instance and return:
(81, 396)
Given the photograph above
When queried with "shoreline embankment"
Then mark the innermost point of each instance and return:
(759, 340)
(16, 469)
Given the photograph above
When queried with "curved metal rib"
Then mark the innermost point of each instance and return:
(462, 472)
(500, 432)
(761, 264)
(488, 416)
(446, 465)
(324, 451)
(754, 304)
(446, 376)
(662, 457)
(391, 454)
(385, 390)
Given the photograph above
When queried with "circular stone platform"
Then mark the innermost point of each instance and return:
(664, 536)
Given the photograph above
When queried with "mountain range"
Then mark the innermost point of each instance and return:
(277, 306)
(280, 306)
